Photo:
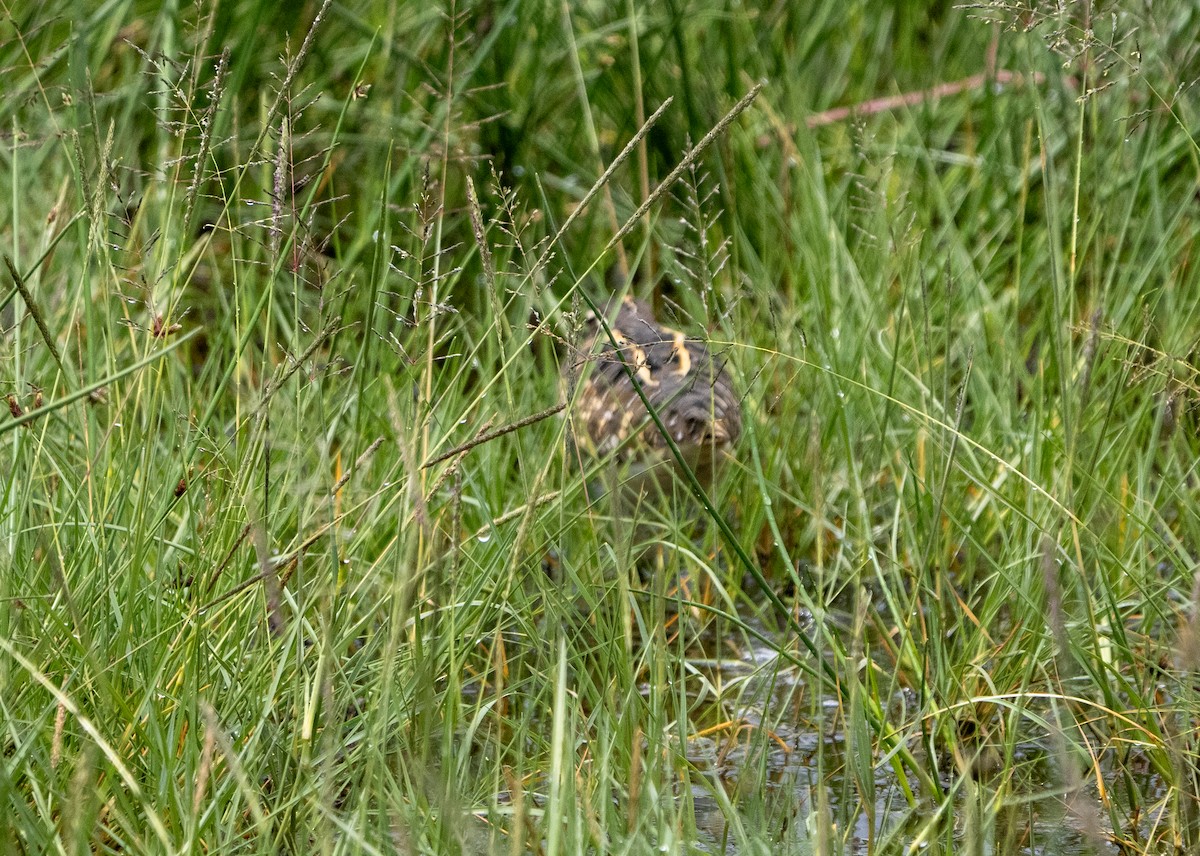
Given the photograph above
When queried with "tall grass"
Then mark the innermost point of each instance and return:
(287, 564)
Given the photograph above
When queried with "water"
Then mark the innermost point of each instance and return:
(792, 774)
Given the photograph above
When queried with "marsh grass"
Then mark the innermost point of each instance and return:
(296, 553)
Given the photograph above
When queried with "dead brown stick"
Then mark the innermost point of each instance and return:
(492, 435)
(911, 99)
(362, 459)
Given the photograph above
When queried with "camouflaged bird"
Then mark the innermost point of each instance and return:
(687, 387)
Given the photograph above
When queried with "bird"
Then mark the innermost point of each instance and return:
(686, 385)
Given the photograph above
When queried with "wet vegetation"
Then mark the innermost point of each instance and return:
(297, 553)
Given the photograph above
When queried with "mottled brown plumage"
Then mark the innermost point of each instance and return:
(684, 383)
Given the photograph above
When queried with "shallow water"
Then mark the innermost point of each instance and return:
(790, 767)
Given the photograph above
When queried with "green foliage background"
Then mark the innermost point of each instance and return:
(267, 261)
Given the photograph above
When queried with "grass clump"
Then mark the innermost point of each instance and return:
(296, 552)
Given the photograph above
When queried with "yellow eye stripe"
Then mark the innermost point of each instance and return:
(689, 390)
